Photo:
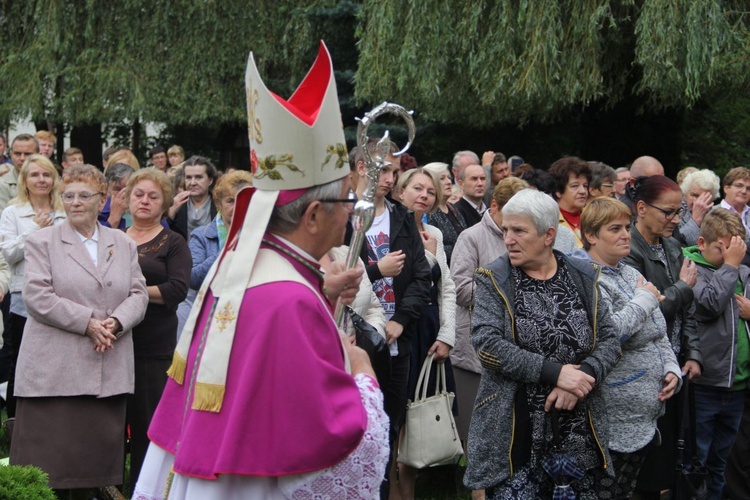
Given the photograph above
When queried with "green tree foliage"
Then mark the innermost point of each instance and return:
(493, 61)
(175, 61)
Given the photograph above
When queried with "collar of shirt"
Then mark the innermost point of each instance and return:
(742, 215)
(479, 208)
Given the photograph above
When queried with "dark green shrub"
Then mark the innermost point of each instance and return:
(24, 483)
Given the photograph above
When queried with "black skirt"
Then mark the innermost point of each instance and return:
(79, 441)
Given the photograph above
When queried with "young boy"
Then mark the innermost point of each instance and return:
(722, 309)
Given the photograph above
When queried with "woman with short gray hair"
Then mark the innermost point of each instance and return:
(546, 340)
(699, 190)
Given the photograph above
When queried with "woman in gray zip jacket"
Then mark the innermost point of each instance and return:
(545, 338)
(648, 373)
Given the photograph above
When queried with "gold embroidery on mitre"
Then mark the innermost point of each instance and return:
(267, 166)
(339, 150)
(225, 317)
(253, 123)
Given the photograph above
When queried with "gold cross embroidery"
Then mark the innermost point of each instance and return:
(224, 317)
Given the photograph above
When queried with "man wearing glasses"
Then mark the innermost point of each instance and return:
(22, 146)
(737, 195)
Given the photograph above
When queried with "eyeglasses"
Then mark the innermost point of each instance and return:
(351, 199)
(82, 197)
(740, 186)
(608, 186)
(668, 214)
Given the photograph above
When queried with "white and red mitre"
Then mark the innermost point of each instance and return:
(295, 144)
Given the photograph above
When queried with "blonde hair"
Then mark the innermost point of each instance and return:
(176, 150)
(23, 189)
(157, 177)
(227, 182)
(405, 178)
(719, 223)
(46, 135)
(123, 156)
(599, 212)
(736, 174)
(506, 188)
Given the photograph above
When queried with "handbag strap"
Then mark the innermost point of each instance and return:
(555, 427)
(421, 382)
(686, 422)
(424, 379)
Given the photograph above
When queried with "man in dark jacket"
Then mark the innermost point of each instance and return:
(473, 182)
(400, 274)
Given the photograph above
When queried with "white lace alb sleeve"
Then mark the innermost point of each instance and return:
(359, 475)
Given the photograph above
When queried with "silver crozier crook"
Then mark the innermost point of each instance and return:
(364, 210)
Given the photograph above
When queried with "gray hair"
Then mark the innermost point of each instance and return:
(117, 172)
(286, 218)
(539, 207)
(437, 168)
(704, 179)
(601, 172)
(457, 157)
(621, 169)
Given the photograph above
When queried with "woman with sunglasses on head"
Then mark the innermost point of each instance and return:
(421, 192)
(658, 256)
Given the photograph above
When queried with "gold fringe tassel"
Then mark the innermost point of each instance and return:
(177, 368)
(208, 397)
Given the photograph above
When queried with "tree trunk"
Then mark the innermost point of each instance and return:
(88, 138)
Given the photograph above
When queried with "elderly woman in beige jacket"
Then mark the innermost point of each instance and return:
(84, 293)
(476, 246)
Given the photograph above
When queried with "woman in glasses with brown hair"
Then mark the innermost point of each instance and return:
(658, 257)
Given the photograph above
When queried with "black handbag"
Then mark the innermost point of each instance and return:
(374, 344)
(368, 338)
(691, 480)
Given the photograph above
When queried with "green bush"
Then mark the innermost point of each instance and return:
(24, 483)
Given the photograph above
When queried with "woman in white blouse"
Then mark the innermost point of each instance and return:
(421, 193)
(36, 206)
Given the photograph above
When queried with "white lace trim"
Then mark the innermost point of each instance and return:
(359, 475)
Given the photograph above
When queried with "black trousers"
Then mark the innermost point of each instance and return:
(737, 473)
(150, 380)
(394, 402)
(16, 325)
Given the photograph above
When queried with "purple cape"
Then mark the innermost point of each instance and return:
(289, 408)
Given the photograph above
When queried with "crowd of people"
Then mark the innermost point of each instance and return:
(184, 315)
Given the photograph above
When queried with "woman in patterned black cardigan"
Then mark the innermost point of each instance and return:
(545, 338)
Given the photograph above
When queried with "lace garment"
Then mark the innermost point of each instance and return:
(358, 476)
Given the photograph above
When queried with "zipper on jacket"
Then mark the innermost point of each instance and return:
(596, 438)
(596, 303)
(734, 340)
(588, 409)
(491, 276)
